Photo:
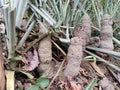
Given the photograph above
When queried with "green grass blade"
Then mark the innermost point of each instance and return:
(20, 11)
(91, 85)
(42, 14)
(25, 35)
(11, 33)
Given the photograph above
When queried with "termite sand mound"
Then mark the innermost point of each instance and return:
(74, 57)
(106, 33)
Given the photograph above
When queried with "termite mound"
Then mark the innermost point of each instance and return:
(106, 33)
(83, 29)
(74, 57)
(45, 54)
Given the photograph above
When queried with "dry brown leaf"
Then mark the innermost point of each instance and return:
(98, 70)
(118, 75)
(106, 84)
(72, 85)
(32, 59)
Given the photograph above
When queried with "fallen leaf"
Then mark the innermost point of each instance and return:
(118, 75)
(33, 61)
(72, 85)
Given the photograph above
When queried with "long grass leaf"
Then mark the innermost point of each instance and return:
(48, 15)
(25, 35)
(91, 85)
(96, 12)
(42, 14)
(30, 19)
(20, 11)
(11, 33)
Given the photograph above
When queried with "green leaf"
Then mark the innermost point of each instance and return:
(34, 87)
(44, 14)
(91, 85)
(42, 82)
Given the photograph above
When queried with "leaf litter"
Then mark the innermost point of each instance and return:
(33, 61)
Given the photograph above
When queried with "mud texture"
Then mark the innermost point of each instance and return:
(74, 57)
(106, 33)
(45, 54)
(83, 29)
(94, 41)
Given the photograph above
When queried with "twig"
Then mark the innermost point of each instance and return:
(37, 40)
(56, 75)
(105, 61)
(59, 48)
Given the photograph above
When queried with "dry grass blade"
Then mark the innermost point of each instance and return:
(59, 48)
(10, 80)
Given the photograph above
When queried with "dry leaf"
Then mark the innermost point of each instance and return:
(72, 85)
(118, 76)
(32, 59)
